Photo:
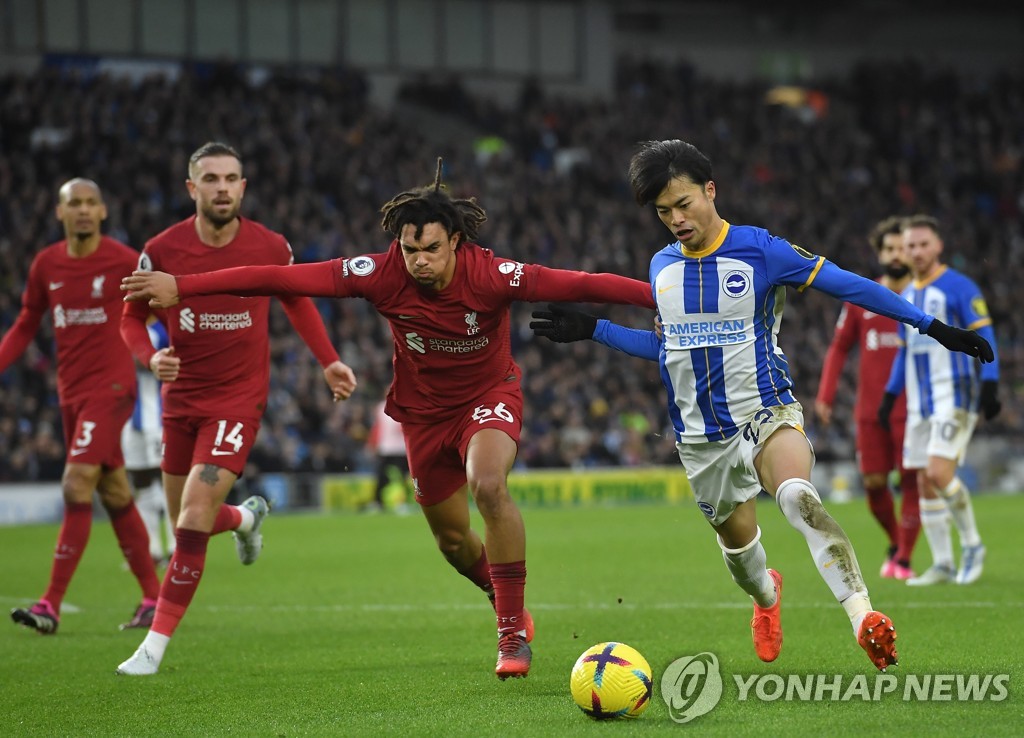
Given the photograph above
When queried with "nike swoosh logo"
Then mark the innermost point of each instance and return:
(174, 580)
(666, 289)
(828, 564)
(77, 451)
(215, 452)
(56, 285)
(407, 317)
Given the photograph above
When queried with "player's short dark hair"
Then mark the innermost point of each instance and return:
(921, 220)
(212, 148)
(433, 204)
(885, 227)
(657, 162)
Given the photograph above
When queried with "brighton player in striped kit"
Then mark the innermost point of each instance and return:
(720, 291)
(142, 442)
(879, 449)
(944, 393)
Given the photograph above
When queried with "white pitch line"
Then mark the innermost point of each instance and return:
(68, 608)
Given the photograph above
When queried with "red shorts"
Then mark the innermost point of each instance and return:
(437, 451)
(92, 429)
(223, 442)
(879, 451)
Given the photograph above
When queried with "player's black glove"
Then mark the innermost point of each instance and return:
(563, 325)
(885, 409)
(990, 405)
(957, 339)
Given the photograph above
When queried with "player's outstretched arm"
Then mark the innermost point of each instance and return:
(565, 325)
(566, 285)
(964, 341)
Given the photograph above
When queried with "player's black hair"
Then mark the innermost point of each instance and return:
(657, 162)
(433, 204)
(212, 148)
(883, 228)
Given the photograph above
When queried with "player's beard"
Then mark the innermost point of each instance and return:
(896, 270)
(220, 219)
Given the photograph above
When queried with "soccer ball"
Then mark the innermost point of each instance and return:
(611, 680)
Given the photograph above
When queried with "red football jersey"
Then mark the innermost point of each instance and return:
(451, 346)
(878, 341)
(222, 340)
(84, 295)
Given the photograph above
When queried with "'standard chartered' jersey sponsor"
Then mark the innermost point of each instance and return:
(224, 321)
(458, 346)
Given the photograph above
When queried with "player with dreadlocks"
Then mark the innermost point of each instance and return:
(456, 390)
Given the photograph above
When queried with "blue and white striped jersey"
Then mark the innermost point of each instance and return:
(148, 405)
(721, 310)
(939, 381)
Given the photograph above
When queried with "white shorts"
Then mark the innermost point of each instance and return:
(722, 473)
(945, 436)
(142, 449)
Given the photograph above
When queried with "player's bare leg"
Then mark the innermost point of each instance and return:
(784, 467)
(489, 459)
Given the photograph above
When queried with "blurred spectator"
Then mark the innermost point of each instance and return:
(894, 137)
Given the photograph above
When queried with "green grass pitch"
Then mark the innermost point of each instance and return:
(355, 625)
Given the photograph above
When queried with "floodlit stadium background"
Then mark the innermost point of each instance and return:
(818, 122)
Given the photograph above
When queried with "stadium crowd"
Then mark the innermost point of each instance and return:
(819, 166)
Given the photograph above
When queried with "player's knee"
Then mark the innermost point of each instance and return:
(875, 482)
(450, 542)
(800, 503)
(489, 492)
(77, 484)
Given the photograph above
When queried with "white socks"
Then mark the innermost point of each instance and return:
(156, 644)
(830, 548)
(248, 520)
(748, 568)
(935, 521)
(958, 499)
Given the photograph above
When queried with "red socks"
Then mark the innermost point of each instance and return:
(228, 518)
(134, 541)
(480, 574)
(910, 517)
(509, 590)
(71, 541)
(880, 502)
(181, 580)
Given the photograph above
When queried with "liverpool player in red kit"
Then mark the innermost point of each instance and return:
(216, 377)
(456, 389)
(879, 450)
(78, 280)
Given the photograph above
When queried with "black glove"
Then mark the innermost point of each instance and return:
(563, 325)
(885, 409)
(990, 405)
(957, 339)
